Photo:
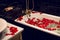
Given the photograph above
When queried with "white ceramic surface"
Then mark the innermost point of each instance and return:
(40, 16)
(7, 37)
(3, 24)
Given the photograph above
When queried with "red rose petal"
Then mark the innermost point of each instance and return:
(20, 18)
(13, 30)
(58, 26)
(42, 23)
(51, 29)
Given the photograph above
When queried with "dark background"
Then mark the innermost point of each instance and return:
(47, 6)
